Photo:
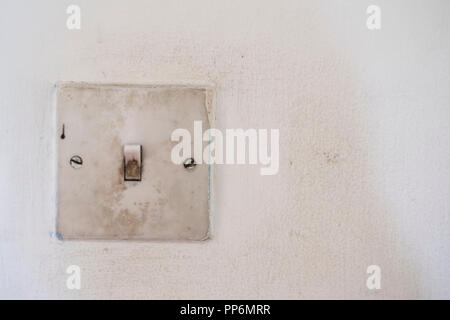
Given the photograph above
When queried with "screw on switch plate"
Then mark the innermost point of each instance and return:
(189, 164)
(76, 162)
(132, 157)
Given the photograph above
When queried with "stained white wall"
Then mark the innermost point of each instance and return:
(364, 119)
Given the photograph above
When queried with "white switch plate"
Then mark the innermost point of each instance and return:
(94, 201)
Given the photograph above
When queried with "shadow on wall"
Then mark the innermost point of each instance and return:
(341, 225)
(325, 206)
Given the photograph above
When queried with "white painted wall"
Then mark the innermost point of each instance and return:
(364, 119)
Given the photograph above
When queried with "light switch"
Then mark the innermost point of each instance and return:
(132, 159)
(116, 179)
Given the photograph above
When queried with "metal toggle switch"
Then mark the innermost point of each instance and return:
(132, 156)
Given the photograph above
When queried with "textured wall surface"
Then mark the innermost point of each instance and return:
(364, 119)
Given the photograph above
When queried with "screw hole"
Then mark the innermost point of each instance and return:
(63, 134)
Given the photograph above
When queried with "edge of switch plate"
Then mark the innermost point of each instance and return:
(210, 105)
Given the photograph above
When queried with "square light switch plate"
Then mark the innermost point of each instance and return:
(116, 179)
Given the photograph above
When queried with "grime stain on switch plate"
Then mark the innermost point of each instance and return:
(94, 200)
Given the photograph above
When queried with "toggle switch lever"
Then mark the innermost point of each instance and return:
(132, 165)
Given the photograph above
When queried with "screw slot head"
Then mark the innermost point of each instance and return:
(76, 162)
(189, 164)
